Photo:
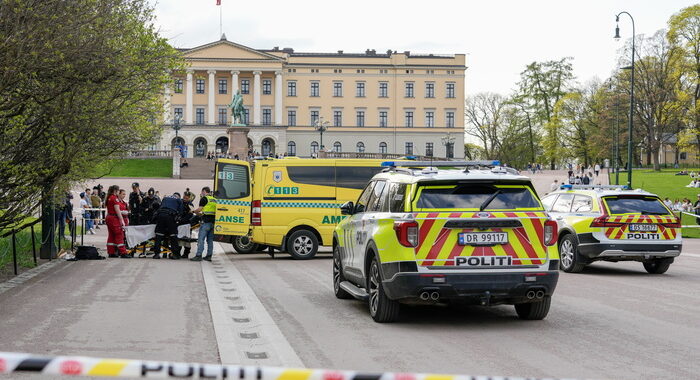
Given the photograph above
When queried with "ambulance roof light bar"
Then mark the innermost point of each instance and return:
(594, 187)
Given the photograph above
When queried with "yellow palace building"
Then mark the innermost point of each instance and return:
(372, 102)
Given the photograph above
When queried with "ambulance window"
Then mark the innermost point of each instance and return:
(355, 177)
(582, 203)
(563, 203)
(363, 200)
(393, 198)
(373, 204)
(232, 181)
(548, 201)
(312, 175)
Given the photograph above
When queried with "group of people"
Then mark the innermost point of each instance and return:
(684, 205)
(167, 214)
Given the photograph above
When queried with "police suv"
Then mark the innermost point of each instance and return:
(434, 232)
(611, 223)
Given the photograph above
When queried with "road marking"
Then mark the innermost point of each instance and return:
(245, 333)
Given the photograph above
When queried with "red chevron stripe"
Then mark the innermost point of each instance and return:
(437, 246)
(425, 228)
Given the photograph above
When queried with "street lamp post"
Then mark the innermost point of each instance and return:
(631, 116)
(321, 126)
(448, 141)
(177, 126)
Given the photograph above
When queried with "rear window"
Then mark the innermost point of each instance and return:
(635, 205)
(475, 196)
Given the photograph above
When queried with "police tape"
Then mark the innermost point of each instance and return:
(690, 225)
(125, 368)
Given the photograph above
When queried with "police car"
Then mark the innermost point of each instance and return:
(611, 223)
(443, 232)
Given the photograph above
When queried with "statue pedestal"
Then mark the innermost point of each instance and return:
(238, 140)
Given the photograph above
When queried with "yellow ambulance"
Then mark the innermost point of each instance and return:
(290, 204)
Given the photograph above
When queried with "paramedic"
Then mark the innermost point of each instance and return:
(166, 224)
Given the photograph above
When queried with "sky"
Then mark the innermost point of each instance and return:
(499, 37)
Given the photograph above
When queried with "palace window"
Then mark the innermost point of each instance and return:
(200, 116)
(314, 147)
(267, 87)
(409, 118)
(430, 90)
(314, 117)
(245, 86)
(246, 116)
(383, 89)
(383, 118)
(267, 116)
(200, 86)
(337, 118)
(291, 88)
(337, 89)
(382, 148)
(409, 148)
(223, 85)
(360, 147)
(178, 86)
(223, 114)
(292, 118)
(315, 89)
(291, 148)
(337, 147)
(429, 149)
(429, 119)
(449, 119)
(360, 118)
(409, 89)
(450, 90)
(177, 112)
(360, 89)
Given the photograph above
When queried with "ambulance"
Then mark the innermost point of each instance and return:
(446, 232)
(289, 204)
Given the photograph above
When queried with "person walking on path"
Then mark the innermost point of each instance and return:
(596, 169)
(115, 224)
(87, 215)
(207, 208)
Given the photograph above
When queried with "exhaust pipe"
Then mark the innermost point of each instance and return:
(434, 296)
(540, 294)
(531, 294)
(424, 296)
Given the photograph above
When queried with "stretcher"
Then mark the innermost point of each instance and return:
(140, 240)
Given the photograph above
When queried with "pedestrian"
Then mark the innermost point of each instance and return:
(166, 225)
(577, 180)
(596, 169)
(554, 186)
(207, 208)
(186, 217)
(696, 209)
(87, 216)
(115, 224)
(135, 200)
(150, 206)
(585, 180)
(96, 203)
(64, 215)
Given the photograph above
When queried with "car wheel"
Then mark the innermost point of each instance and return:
(244, 244)
(658, 266)
(338, 276)
(302, 245)
(381, 308)
(568, 255)
(533, 311)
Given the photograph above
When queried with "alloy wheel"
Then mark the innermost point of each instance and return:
(566, 251)
(303, 245)
(373, 288)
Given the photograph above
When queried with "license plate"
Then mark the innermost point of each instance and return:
(482, 238)
(644, 227)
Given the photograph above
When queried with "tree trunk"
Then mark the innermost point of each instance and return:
(655, 155)
(48, 226)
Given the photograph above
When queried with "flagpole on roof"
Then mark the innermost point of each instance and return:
(221, 23)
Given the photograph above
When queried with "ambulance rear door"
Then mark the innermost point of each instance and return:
(233, 192)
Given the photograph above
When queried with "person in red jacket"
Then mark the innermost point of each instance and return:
(115, 224)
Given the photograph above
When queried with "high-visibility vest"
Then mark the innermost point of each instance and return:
(210, 207)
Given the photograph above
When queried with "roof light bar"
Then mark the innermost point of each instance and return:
(593, 187)
(440, 163)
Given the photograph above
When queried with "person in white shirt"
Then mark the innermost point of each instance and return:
(554, 186)
(597, 169)
(86, 213)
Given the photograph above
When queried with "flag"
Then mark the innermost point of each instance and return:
(218, 2)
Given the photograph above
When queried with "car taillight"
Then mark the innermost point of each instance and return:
(550, 232)
(602, 221)
(255, 213)
(676, 224)
(407, 233)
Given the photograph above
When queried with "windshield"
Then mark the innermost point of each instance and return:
(477, 197)
(636, 205)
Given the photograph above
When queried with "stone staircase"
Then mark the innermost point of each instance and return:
(198, 168)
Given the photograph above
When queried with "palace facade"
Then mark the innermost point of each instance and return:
(374, 102)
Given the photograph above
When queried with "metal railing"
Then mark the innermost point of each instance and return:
(380, 156)
(150, 154)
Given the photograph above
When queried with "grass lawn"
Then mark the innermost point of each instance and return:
(137, 168)
(666, 184)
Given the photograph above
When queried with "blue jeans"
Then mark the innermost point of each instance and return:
(88, 220)
(206, 231)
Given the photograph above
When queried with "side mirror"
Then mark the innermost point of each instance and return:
(347, 208)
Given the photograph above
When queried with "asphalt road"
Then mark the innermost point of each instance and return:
(611, 321)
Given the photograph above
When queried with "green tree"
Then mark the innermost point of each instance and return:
(80, 81)
(541, 86)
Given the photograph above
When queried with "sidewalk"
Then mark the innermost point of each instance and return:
(131, 308)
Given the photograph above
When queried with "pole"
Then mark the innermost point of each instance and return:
(82, 232)
(221, 23)
(617, 139)
(31, 228)
(14, 252)
(631, 114)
